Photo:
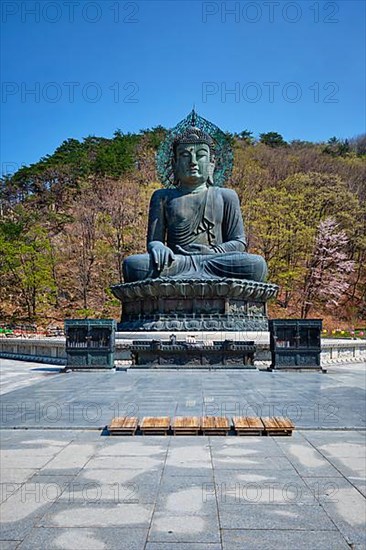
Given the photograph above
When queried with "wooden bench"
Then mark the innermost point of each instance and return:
(277, 425)
(155, 425)
(215, 425)
(123, 425)
(186, 425)
(248, 425)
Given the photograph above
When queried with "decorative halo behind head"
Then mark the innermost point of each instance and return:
(195, 129)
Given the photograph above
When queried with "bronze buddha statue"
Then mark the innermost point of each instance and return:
(195, 229)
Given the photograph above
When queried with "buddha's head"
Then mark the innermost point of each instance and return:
(194, 158)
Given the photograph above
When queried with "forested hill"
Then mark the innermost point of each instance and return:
(69, 220)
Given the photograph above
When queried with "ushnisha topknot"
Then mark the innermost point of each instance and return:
(194, 135)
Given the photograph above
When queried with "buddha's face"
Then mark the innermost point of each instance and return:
(192, 164)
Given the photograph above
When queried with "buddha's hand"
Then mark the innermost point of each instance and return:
(194, 249)
(161, 254)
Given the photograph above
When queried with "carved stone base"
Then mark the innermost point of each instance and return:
(193, 304)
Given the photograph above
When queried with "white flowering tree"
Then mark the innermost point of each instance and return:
(329, 268)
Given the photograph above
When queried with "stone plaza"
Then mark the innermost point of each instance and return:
(67, 485)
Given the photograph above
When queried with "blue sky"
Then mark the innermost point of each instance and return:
(297, 68)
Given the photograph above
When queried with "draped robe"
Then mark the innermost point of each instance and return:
(211, 217)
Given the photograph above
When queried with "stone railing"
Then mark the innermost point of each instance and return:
(52, 350)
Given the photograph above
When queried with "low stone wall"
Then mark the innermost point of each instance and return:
(353, 350)
(40, 350)
(52, 350)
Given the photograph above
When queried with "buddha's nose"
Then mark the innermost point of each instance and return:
(193, 159)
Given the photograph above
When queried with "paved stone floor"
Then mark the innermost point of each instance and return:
(65, 485)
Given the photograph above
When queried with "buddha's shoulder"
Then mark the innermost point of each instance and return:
(162, 195)
(229, 195)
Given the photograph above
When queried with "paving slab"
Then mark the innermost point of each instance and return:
(146, 463)
(183, 546)
(271, 516)
(21, 511)
(124, 446)
(117, 486)
(37, 439)
(16, 475)
(192, 469)
(97, 514)
(252, 539)
(173, 528)
(331, 444)
(243, 446)
(10, 544)
(244, 487)
(85, 539)
(7, 489)
(171, 484)
(186, 499)
(203, 441)
(192, 456)
(26, 374)
(74, 455)
(359, 483)
(307, 460)
(60, 472)
(252, 462)
(18, 458)
(350, 466)
(344, 504)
